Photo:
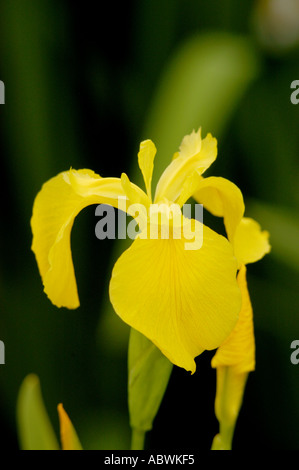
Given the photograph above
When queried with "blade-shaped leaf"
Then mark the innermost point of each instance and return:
(34, 427)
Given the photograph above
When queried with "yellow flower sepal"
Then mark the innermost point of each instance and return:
(188, 313)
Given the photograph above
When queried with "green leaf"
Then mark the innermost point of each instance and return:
(149, 372)
(34, 427)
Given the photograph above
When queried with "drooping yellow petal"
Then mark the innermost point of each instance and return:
(222, 198)
(195, 154)
(68, 435)
(54, 212)
(183, 300)
(86, 183)
(250, 242)
(146, 157)
(238, 349)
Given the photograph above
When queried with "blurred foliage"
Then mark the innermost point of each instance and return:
(83, 87)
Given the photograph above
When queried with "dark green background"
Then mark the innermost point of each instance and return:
(80, 81)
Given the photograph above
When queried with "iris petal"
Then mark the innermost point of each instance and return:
(183, 301)
(195, 154)
(146, 157)
(238, 349)
(222, 198)
(250, 242)
(54, 212)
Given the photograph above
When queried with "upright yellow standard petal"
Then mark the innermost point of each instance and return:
(146, 157)
(195, 155)
(238, 349)
(191, 144)
(54, 212)
(68, 435)
(183, 300)
(250, 242)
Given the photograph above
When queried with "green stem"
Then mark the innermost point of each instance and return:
(229, 397)
(227, 426)
(138, 438)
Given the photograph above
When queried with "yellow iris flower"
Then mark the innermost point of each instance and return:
(184, 301)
